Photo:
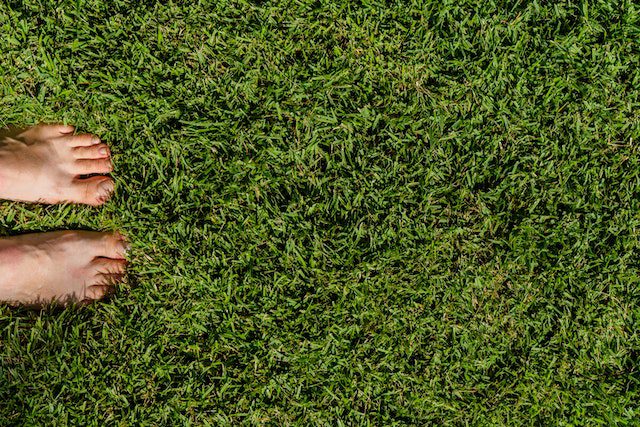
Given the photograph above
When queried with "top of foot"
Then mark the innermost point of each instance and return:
(50, 164)
(60, 267)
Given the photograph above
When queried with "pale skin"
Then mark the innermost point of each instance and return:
(51, 164)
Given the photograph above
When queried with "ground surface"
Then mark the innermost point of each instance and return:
(342, 214)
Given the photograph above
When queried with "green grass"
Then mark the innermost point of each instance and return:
(342, 213)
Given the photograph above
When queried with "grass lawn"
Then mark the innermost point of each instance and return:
(342, 213)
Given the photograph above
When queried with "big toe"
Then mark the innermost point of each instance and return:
(92, 191)
(48, 131)
(114, 245)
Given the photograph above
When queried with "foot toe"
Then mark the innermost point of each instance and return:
(96, 151)
(93, 191)
(114, 246)
(47, 131)
(92, 166)
(97, 292)
(41, 132)
(109, 266)
(80, 140)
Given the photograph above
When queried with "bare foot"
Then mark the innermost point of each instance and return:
(60, 267)
(47, 164)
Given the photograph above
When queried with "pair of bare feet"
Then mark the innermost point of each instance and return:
(50, 164)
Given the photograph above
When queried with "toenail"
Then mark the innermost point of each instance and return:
(95, 140)
(104, 151)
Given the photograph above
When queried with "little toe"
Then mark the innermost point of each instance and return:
(97, 292)
(93, 191)
(92, 166)
(48, 131)
(112, 279)
(96, 151)
(80, 140)
(39, 132)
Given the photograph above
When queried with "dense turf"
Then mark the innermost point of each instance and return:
(343, 213)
